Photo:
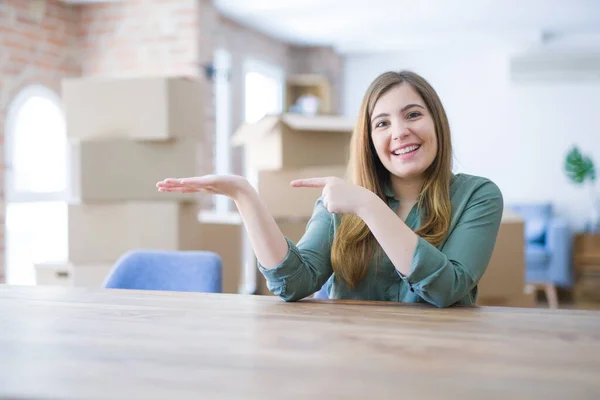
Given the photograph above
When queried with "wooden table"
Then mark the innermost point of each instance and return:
(64, 343)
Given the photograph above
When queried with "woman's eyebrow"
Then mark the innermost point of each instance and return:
(406, 107)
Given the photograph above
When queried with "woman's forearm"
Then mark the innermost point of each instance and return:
(395, 238)
(269, 244)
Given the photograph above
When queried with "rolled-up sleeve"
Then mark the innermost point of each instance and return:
(307, 265)
(444, 276)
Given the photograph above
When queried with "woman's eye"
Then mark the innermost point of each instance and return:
(414, 114)
(380, 124)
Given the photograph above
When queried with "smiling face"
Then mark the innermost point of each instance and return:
(403, 133)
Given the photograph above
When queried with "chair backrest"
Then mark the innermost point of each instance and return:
(179, 271)
(537, 217)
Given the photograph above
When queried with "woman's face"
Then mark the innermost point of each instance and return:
(403, 132)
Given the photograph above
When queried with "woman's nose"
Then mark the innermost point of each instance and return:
(400, 133)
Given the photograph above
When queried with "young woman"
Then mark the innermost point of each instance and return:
(403, 228)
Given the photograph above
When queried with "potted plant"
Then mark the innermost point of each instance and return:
(580, 170)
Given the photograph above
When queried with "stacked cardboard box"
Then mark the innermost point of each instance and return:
(281, 148)
(124, 136)
(503, 283)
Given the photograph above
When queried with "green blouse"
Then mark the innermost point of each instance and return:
(443, 276)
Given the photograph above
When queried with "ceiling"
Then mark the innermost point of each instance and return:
(353, 26)
(363, 26)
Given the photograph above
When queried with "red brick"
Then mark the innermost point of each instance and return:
(6, 29)
(27, 46)
(50, 25)
(53, 51)
(35, 36)
(17, 5)
(26, 18)
(57, 41)
(17, 59)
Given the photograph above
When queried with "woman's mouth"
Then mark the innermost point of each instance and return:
(406, 151)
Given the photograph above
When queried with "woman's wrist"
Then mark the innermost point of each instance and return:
(244, 192)
(367, 206)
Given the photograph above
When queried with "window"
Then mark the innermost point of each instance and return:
(263, 90)
(36, 183)
(222, 149)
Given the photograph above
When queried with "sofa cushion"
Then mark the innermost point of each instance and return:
(535, 230)
(537, 255)
(537, 217)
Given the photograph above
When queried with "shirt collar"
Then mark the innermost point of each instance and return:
(387, 189)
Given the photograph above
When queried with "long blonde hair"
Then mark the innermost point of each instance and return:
(354, 246)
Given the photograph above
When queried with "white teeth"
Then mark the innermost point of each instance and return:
(406, 150)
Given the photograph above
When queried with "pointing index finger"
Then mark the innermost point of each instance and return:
(311, 182)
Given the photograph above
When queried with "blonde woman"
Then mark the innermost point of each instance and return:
(402, 228)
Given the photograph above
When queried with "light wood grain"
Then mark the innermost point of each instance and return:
(66, 343)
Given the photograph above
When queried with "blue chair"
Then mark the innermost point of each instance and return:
(178, 271)
(548, 246)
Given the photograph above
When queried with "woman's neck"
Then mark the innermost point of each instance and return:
(406, 190)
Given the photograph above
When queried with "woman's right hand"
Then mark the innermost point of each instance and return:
(269, 244)
(228, 185)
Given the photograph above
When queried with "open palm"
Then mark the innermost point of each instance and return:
(228, 185)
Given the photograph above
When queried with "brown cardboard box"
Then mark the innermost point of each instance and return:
(292, 229)
(222, 234)
(284, 201)
(70, 275)
(503, 283)
(219, 234)
(53, 274)
(102, 232)
(104, 170)
(148, 108)
(295, 141)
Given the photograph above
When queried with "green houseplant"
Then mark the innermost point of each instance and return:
(580, 170)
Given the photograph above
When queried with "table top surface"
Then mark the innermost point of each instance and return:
(69, 343)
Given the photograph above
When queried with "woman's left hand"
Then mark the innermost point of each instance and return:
(339, 196)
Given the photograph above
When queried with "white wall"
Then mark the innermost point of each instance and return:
(515, 134)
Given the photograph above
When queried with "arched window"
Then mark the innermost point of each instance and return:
(35, 183)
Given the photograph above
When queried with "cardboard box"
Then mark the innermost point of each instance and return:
(105, 170)
(101, 233)
(105, 232)
(295, 141)
(147, 108)
(284, 201)
(223, 234)
(53, 274)
(504, 280)
(70, 275)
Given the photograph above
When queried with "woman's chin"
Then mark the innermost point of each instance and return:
(408, 174)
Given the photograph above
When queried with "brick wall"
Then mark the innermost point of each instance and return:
(37, 45)
(140, 38)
